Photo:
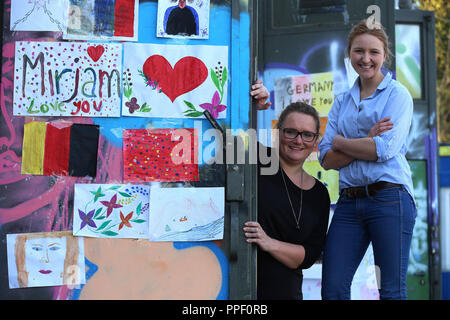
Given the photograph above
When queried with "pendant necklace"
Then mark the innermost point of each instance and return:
(296, 218)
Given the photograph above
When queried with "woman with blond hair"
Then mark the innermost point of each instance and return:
(366, 140)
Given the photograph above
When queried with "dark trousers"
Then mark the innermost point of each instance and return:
(387, 220)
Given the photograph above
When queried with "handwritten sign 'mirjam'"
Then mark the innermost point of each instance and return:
(67, 79)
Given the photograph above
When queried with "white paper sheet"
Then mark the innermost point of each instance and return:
(67, 79)
(186, 214)
(183, 19)
(45, 259)
(38, 15)
(171, 81)
(315, 89)
(111, 211)
(84, 20)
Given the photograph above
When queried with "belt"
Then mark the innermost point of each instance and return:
(369, 190)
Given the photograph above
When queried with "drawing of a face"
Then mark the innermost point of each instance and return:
(45, 260)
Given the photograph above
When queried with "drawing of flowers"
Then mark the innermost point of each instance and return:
(132, 104)
(111, 205)
(125, 220)
(219, 78)
(134, 190)
(107, 231)
(127, 90)
(97, 194)
(86, 219)
(214, 107)
(99, 217)
(148, 82)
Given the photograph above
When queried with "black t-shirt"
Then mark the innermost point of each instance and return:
(275, 280)
(181, 21)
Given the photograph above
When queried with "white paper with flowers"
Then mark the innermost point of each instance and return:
(111, 211)
(174, 81)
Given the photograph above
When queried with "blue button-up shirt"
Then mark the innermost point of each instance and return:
(353, 119)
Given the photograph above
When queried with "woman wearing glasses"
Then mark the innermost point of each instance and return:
(293, 207)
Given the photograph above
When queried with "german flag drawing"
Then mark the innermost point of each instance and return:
(60, 148)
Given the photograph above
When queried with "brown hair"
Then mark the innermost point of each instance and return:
(70, 259)
(300, 107)
(375, 29)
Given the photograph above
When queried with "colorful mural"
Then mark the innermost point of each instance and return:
(408, 58)
(417, 279)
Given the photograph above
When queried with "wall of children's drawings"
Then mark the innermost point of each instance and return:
(97, 99)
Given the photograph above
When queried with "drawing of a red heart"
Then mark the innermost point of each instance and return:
(95, 52)
(187, 74)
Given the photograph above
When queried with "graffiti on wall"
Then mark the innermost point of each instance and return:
(408, 58)
(135, 269)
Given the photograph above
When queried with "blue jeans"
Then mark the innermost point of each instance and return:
(387, 220)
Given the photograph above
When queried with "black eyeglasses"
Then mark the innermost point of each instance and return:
(292, 134)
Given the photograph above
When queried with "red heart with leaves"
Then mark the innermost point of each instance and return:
(95, 52)
(187, 74)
